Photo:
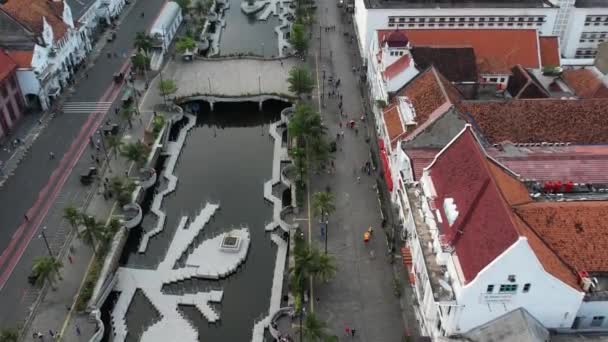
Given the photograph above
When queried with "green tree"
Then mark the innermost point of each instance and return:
(141, 62)
(113, 227)
(46, 269)
(184, 4)
(298, 38)
(127, 113)
(324, 268)
(73, 216)
(122, 188)
(185, 43)
(323, 205)
(93, 231)
(166, 88)
(201, 7)
(307, 127)
(300, 81)
(298, 154)
(314, 329)
(9, 335)
(114, 143)
(136, 152)
(142, 42)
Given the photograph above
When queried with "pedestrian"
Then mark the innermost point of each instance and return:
(106, 180)
(356, 131)
(51, 155)
(342, 133)
(358, 179)
(352, 332)
(115, 111)
(346, 330)
(127, 173)
(68, 307)
(51, 333)
(92, 157)
(26, 218)
(281, 62)
(70, 259)
(77, 330)
(337, 136)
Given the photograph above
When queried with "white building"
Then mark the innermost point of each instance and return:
(582, 26)
(373, 15)
(482, 247)
(163, 31)
(110, 9)
(46, 45)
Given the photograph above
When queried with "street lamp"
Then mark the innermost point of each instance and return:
(262, 50)
(46, 242)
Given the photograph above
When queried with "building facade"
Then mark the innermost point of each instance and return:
(163, 31)
(11, 100)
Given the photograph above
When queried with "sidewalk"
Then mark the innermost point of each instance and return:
(54, 312)
(361, 296)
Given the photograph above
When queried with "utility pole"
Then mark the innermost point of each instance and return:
(162, 91)
(46, 242)
(323, 90)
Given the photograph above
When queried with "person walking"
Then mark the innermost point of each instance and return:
(70, 259)
(78, 330)
(51, 155)
(352, 332)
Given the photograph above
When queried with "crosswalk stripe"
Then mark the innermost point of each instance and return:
(85, 107)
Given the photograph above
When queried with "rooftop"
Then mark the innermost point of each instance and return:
(431, 95)
(515, 326)
(540, 120)
(549, 51)
(483, 194)
(496, 50)
(457, 4)
(392, 120)
(397, 67)
(22, 58)
(30, 14)
(577, 163)
(591, 3)
(79, 7)
(457, 64)
(523, 85)
(7, 65)
(586, 83)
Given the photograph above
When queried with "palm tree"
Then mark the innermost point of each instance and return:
(127, 114)
(184, 44)
(135, 152)
(300, 81)
(314, 329)
(306, 126)
(114, 143)
(324, 267)
(93, 231)
(73, 216)
(323, 204)
(9, 335)
(298, 38)
(201, 7)
(143, 42)
(122, 188)
(113, 227)
(46, 269)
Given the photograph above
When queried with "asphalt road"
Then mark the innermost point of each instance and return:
(40, 186)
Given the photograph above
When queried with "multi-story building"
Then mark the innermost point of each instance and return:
(373, 15)
(484, 244)
(582, 26)
(11, 100)
(42, 38)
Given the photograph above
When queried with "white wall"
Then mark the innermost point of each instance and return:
(576, 27)
(28, 82)
(590, 309)
(549, 300)
(369, 20)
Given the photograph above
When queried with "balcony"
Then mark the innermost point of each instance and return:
(437, 274)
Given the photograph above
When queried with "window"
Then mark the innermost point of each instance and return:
(431, 25)
(491, 19)
(482, 19)
(391, 20)
(441, 20)
(507, 288)
(582, 41)
(501, 19)
(597, 321)
(401, 25)
(460, 19)
(494, 79)
(481, 24)
(527, 287)
(452, 19)
(470, 24)
(490, 289)
(441, 25)
(412, 19)
(410, 25)
(401, 20)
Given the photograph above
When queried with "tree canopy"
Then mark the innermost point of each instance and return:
(300, 80)
(298, 38)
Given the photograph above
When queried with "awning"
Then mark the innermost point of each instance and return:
(387, 171)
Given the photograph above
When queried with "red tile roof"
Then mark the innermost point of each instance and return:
(22, 58)
(575, 231)
(549, 51)
(522, 85)
(393, 123)
(29, 13)
(585, 83)
(542, 120)
(7, 65)
(431, 95)
(397, 67)
(485, 194)
(580, 164)
(496, 50)
(484, 227)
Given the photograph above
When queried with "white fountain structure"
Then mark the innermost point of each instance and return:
(209, 260)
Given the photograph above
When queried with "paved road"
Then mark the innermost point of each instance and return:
(361, 295)
(41, 187)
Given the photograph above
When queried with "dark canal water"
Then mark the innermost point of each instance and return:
(244, 33)
(227, 158)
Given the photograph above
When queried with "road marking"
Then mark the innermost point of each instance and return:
(85, 107)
